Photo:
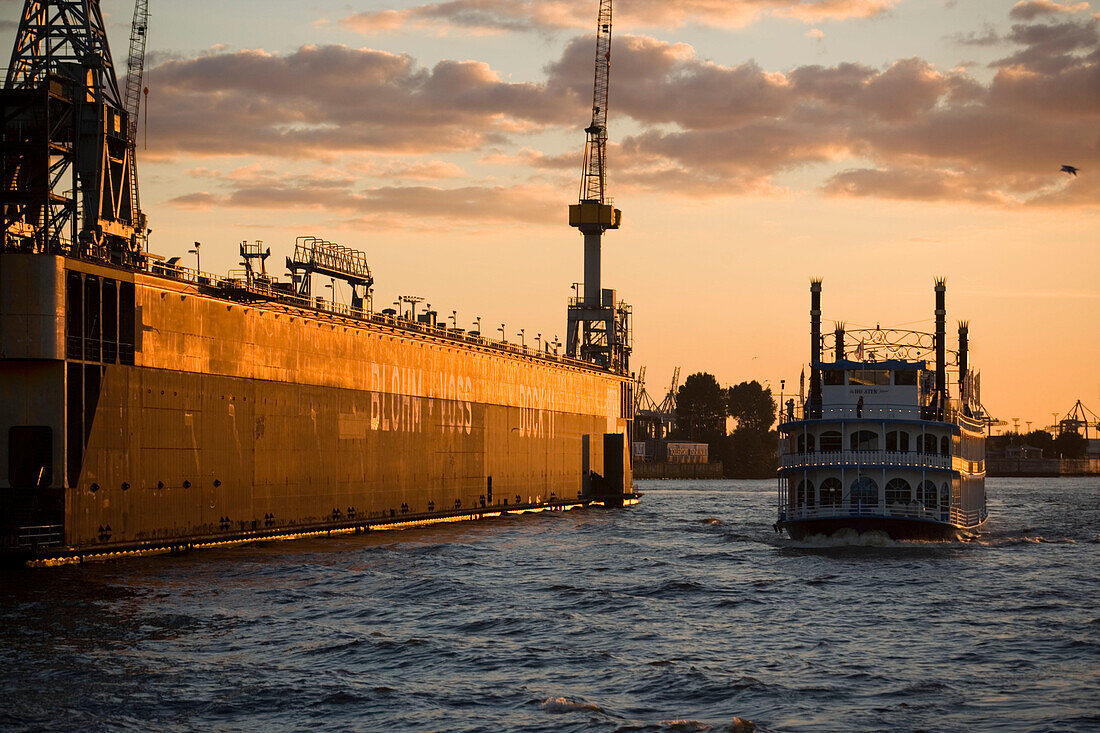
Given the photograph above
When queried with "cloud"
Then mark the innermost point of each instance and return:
(1051, 48)
(815, 33)
(1032, 9)
(320, 101)
(907, 130)
(496, 16)
(913, 131)
(988, 36)
(384, 206)
(913, 184)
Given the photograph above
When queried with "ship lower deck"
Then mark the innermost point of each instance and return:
(896, 528)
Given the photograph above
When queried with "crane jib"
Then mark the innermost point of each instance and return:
(593, 172)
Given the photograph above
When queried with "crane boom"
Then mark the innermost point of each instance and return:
(135, 70)
(594, 172)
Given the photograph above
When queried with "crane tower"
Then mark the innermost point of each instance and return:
(598, 328)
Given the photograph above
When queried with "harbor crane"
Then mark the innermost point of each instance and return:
(653, 420)
(598, 328)
(1076, 420)
(67, 183)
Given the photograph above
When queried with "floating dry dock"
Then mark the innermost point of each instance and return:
(147, 409)
(147, 406)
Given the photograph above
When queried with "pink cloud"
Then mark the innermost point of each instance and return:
(905, 130)
(266, 190)
(320, 101)
(494, 16)
(1032, 9)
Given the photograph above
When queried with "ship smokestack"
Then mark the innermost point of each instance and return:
(964, 361)
(941, 339)
(815, 340)
(839, 335)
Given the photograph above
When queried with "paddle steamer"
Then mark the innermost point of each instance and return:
(879, 443)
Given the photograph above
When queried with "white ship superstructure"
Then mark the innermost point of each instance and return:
(879, 443)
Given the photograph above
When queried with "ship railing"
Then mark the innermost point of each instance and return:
(41, 535)
(879, 412)
(902, 459)
(897, 510)
(968, 517)
(267, 290)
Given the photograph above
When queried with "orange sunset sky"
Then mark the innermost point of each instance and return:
(754, 144)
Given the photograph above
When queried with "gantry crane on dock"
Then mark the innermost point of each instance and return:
(67, 182)
(598, 328)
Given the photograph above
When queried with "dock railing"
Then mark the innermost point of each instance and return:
(238, 288)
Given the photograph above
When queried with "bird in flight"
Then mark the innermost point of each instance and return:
(1072, 170)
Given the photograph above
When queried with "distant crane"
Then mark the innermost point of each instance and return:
(135, 72)
(668, 404)
(641, 397)
(598, 328)
(1077, 418)
(652, 420)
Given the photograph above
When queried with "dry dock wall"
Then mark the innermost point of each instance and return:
(235, 416)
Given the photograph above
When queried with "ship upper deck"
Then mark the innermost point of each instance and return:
(894, 390)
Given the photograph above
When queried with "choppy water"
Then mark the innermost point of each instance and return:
(677, 614)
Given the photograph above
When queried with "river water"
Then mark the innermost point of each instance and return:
(677, 614)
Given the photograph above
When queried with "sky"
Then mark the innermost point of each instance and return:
(753, 144)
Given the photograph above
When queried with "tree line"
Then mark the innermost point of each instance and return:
(702, 409)
(1068, 444)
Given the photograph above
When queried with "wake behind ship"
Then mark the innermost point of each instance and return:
(147, 406)
(879, 444)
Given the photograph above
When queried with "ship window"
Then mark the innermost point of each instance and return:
(832, 377)
(110, 320)
(805, 493)
(930, 442)
(831, 441)
(865, 491)
(831, 490)
(91, 318)
(945, 445)
(30, 456)
(869, 377)
(74, 316)
(927, 494)
(897, 440)
(864, 440)
(945, 497)
(906, 377)
(898, 491)
(805, 443)
(126, 320)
